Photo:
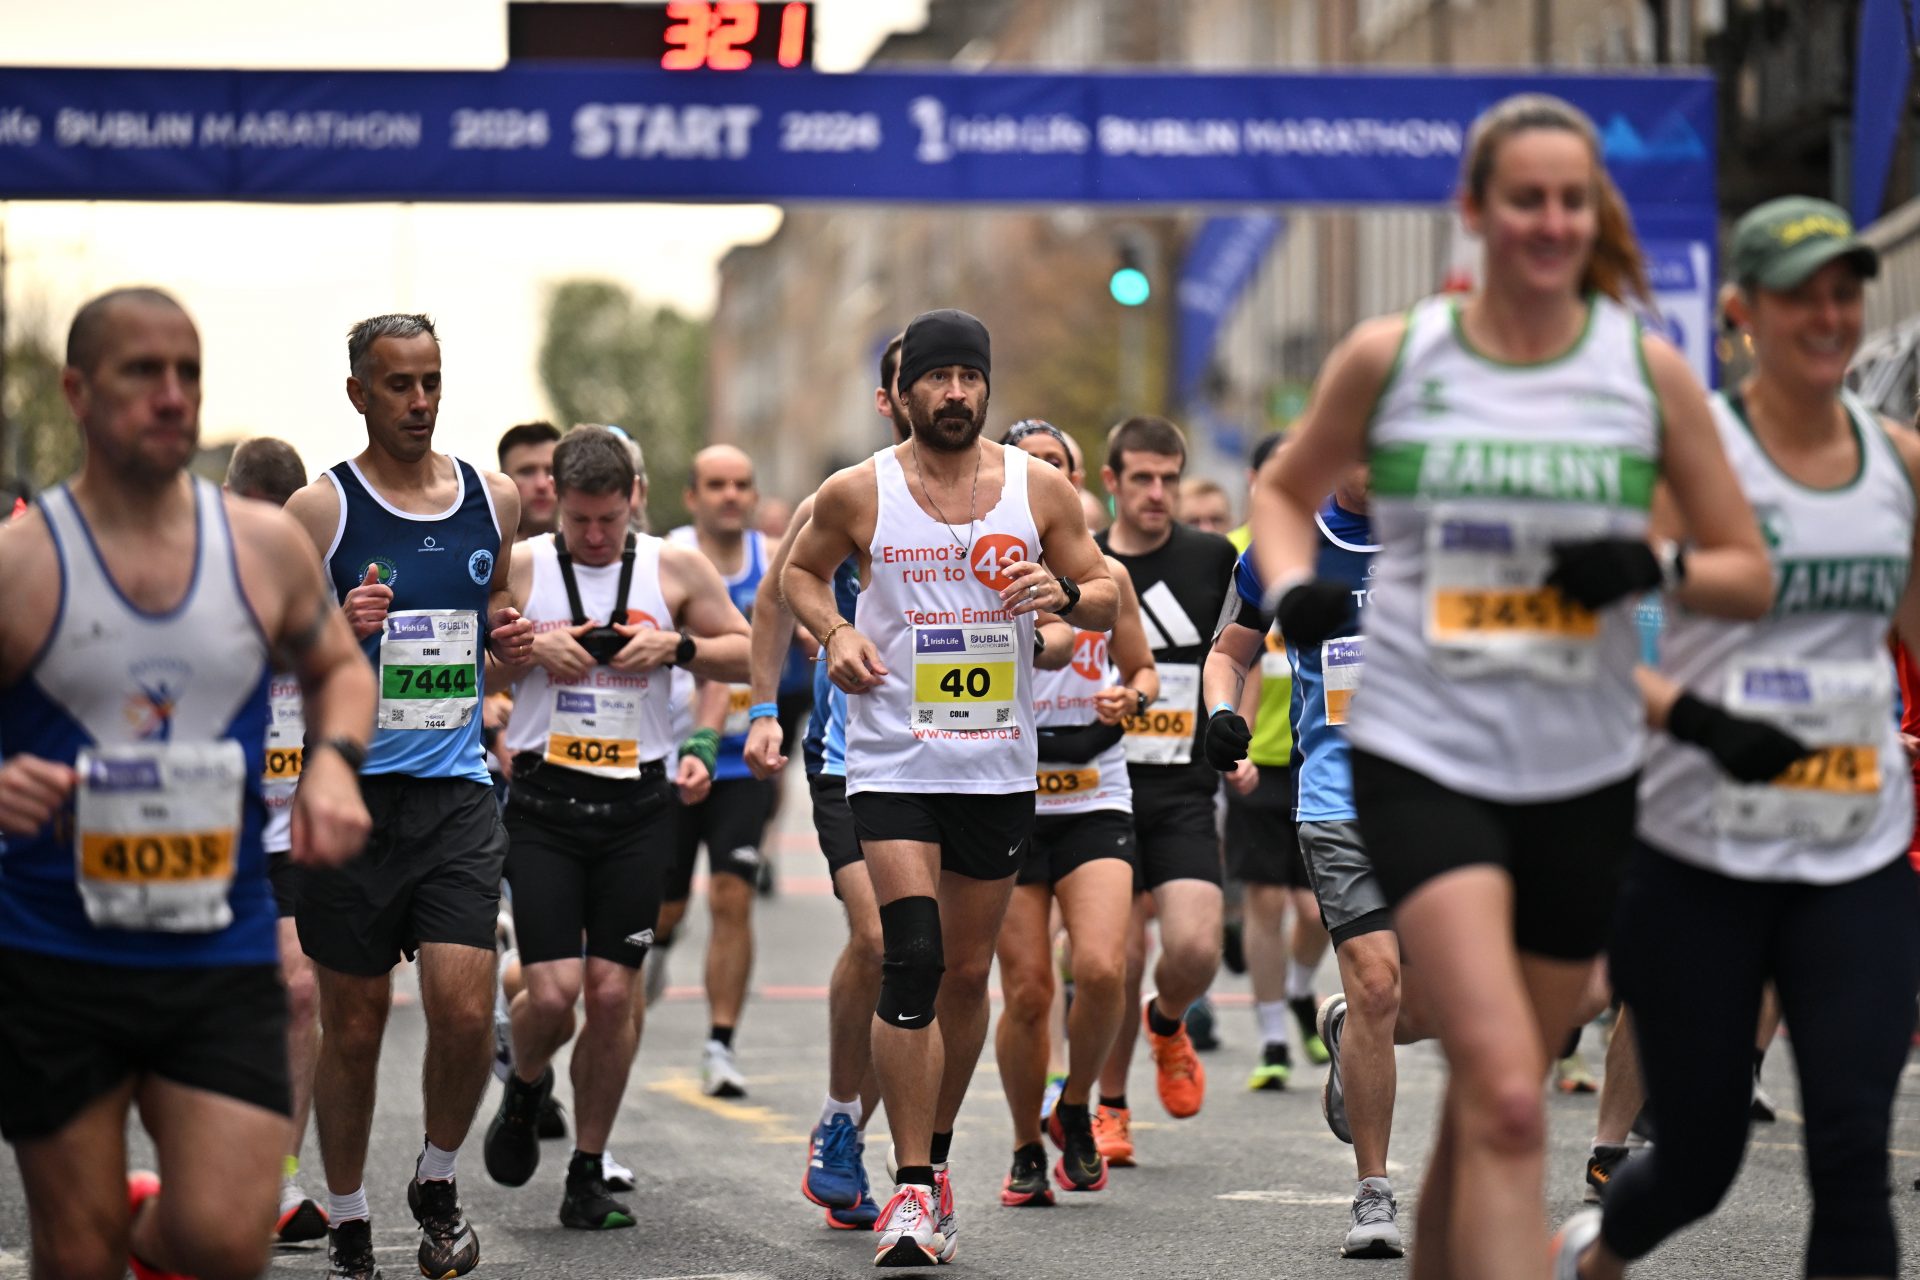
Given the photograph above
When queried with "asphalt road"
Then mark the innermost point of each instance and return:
(1254, 1186)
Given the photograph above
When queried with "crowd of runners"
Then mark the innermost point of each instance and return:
(1536, 679)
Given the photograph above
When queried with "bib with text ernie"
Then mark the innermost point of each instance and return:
(428, 669)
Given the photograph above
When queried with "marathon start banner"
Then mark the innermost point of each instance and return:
(554, 133)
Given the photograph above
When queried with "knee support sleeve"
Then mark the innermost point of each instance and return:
(911, 963)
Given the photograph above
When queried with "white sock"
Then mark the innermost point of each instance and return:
(834, 1107)
(1273, 1021)
(436, 1165)
(348, 1207)
(1299, 979)
(1379, 1184)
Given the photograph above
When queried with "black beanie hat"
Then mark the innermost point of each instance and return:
(937, 339)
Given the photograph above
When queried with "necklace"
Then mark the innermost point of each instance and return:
(966, 548)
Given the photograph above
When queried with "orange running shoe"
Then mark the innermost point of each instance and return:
(1178, 1072)
(143, 1186)
(1113, 1135)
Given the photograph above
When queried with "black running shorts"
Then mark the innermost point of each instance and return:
(1174, 822)
(1065, 842)
(1263, 846)
(732, 823)
(983, 837)
(430, 873)
(833, 823)
(72, 1030)
(587, 858)
(284, 876)
(1566, 857)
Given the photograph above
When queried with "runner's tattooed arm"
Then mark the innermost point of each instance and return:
(1067, 550)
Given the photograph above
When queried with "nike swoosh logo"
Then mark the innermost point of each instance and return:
(1012, 851)
(903, 1017)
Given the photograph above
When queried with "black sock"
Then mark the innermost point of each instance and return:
(940, 1147)
(1275, 1055)
(1073, 1117)
(1159, 1023)
(919, 1175)
(1759, 1060)
(724, 1035)
(1118, 1102)
(584, 1164)
(1033, 1150)
(1572, 1045)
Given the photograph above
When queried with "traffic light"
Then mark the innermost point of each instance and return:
(1129, 284)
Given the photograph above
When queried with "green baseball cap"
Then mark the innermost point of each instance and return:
(1782, 242)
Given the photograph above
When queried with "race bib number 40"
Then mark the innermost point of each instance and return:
(1165, 734)
(1839, 708)
(1486, 610)
(963, 677)
(429, 673)
(156, 834)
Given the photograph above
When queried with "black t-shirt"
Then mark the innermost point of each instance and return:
(1183, 585)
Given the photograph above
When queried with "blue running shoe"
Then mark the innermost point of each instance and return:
(833, 1178)
(864, 1214)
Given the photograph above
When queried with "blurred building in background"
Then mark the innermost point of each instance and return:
(802, 317)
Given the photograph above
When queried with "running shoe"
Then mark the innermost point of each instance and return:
(1178, 1072)
(552, 1121)
(906, 1230)
(142, 1186)
(587, 1204)
(1113, 1135)
(653, 972)
(1273, 1071)
(618, 1176)
(1026, 1184)
(1080, 1167)
(350, 1251)
(1375, 1232)
(1306, 1011)
(512, 1146)
(1052, 1096)
(862, 1215)
(1233, 946)
(946, 1213)
(764, 882)
(719, 1078)
(832, 1179)
(448, 1245)
(1604, 1161)
(1200, 1025)
(1762, 1108)
(301, 1219)
(1571, 1075)
(502, 1017)
(1579, 1231)
(1332, 1024)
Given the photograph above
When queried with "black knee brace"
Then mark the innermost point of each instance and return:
(912, 964)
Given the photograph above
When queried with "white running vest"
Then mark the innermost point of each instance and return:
(1477, 677)
(1817, 665)
(1065, 697)
(608, 723)
(955, 712)
(286, 753)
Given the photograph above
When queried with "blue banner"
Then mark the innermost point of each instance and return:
(567, 133)
(1220, 263)
(1881, 69)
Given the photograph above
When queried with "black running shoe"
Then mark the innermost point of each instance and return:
(1081, 1166)
(1601, 1166)
(512, 1148)
(587, 1206)
(553, 1116)
(1233, 947)
(448, 1245)
(1026, 1183)
(1200, 1025)
(350, 1251)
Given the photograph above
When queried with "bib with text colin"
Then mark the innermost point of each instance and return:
(963, 677)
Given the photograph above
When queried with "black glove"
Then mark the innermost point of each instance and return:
(1227, 739)
(1747, 750)
(1311, 612)
(1080, 743)
(1594, 574)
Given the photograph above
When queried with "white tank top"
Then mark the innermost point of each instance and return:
(955, 713)
(608, 723)
(1476, 677)
(1817, 665)
(286, 753)
(1065, 697)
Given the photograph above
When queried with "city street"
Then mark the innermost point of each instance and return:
(1254, 1186)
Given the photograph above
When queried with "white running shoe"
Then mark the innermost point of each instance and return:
(906, 1230)
(946, 1214)
(1375, 1232)
(719, 1078)
(1579, 1231)
(618, 1176)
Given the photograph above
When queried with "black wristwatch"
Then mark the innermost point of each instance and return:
(352, 752)
(1143, 701)
(683, 652)
(1072, 589)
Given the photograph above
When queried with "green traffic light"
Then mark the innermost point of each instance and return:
(1130, 287)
